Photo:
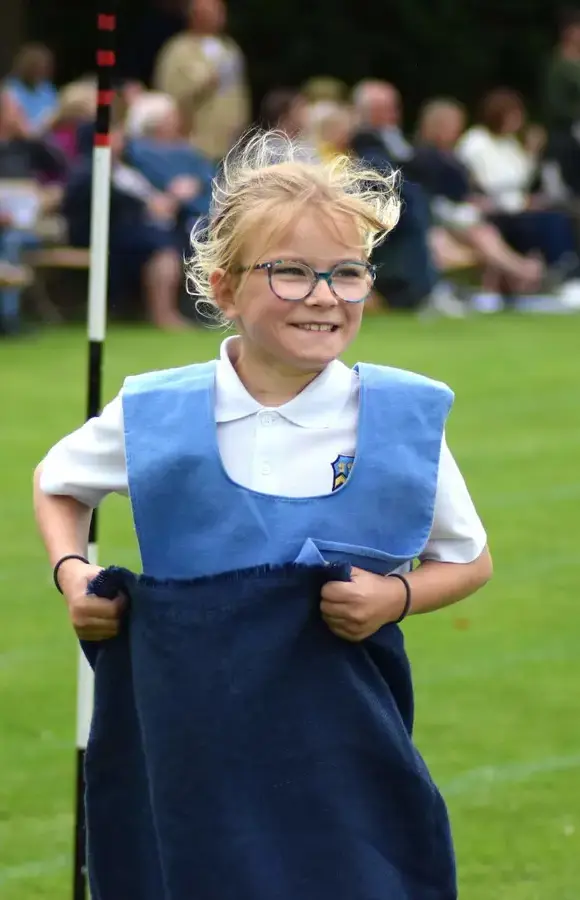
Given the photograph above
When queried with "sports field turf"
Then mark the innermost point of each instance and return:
(497, 677)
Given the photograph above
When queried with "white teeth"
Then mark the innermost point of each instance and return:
(316, 327)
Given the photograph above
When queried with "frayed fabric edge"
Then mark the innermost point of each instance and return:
(114, 579)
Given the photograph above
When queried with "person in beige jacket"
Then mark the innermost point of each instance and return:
(204, 71)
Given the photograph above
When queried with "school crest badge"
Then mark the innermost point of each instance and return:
(341, 470)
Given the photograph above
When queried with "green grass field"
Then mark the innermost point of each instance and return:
(497, 677)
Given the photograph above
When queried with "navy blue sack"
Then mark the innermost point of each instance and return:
(241, 751)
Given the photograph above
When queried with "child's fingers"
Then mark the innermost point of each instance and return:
(341, 629)
(96, 619)
(97, 630)
(333, 609)
(333, 619)
(337, 591)
(96, 607)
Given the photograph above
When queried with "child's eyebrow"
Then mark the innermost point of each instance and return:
(308, 262)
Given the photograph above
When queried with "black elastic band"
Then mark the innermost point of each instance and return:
(59, 564)
(408, 597)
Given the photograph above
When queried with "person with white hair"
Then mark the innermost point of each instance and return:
(408, 275)
(146, 243)
(148, 112)
(157, 148)
(378, 105)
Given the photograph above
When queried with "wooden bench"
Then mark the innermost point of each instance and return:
(60, 257)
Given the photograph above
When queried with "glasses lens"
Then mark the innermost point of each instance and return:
(352, 282)
(291, 280)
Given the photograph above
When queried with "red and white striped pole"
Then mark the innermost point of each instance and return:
(96, 327)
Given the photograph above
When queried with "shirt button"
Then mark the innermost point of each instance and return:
(266, 469)
(267, 418)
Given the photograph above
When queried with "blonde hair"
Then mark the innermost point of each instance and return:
(78, 99)
(324, 120)
(264, 185)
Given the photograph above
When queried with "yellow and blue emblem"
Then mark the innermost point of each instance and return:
(341, 470)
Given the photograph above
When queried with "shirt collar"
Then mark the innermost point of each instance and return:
(317, 406)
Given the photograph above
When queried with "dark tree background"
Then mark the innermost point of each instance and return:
(426, 47)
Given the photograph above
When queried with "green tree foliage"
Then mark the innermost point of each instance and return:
(427, 47)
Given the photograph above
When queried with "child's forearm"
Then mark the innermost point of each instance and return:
(63, 522)
(438, 584)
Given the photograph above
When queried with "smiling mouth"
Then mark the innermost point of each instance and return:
(312, 326)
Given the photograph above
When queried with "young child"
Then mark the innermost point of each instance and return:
(252, 733)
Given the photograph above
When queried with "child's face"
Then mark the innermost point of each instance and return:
(273, 329)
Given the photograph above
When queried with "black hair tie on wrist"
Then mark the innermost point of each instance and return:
(408, 597)
(59, 564)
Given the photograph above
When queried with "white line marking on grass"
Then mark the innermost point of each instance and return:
(466, 783)
(511, 773)
(33, 869)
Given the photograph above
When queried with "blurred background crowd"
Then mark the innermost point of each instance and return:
(490, 194)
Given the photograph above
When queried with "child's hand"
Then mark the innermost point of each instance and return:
(355, 609)
(185, 188)
(162, 207)
(93, 618)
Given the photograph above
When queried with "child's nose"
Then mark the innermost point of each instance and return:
(322, 295)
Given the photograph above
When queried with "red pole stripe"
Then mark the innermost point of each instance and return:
(102, 140)
(105, 98)
(106, 58)
(106, 23)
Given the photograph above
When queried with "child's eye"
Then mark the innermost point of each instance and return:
(292, 271)
(350, 272)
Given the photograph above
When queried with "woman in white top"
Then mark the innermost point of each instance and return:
(505, 166)
(502, 165)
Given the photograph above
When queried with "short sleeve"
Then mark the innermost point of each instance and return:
(89, 463)
(457, 534)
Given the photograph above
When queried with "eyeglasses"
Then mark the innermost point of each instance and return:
(291, 280)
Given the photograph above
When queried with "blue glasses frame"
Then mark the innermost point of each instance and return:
(316, 276)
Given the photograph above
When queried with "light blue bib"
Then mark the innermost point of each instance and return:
(192, 520)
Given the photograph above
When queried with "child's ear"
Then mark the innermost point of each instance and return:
(223, 287)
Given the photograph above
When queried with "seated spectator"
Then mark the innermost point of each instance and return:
(379, 108)
(22, 156)
(157, 148)
(332, 128)
(24, 163)
(408, 277)
(77, 104)
(503, 165)
(146, 246)
(440, 125)
(505, 169)
(30, 84)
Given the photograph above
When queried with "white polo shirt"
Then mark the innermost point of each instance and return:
(288, 450)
